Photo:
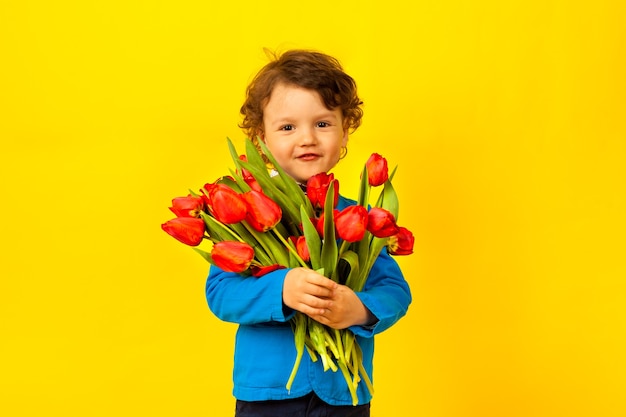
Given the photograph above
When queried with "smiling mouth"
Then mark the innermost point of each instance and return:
(308, 157)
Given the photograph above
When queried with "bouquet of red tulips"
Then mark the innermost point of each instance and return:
(259, 219)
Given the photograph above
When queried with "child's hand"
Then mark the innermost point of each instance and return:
(322, 299)
(308, 291)
(346, 309)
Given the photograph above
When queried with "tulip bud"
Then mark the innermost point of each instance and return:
(381, 223)
(232, 256)
(224, 203)
(262, 212)
(351, 223)
(377, 171)
(188, 230)
(303, 249)
(317, 187)
(401, 243)
(189, 206)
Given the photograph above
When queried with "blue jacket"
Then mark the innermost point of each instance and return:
(264, 344)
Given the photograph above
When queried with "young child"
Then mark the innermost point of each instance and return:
(302, 105)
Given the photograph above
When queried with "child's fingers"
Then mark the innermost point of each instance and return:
(321, 281)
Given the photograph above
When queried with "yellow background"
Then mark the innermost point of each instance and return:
(506, 119)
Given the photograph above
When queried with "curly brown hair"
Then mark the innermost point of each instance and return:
(307, 69)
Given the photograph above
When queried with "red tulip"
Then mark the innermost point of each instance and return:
(189, 206)
(317, 187)
(259, 271)
(381, 223)
(351, 223)
(188, 230)
(253, 184)
(262, 212)
(224, 203)
(232, 256)
(302, 248)
(377, 171)
(401, 243)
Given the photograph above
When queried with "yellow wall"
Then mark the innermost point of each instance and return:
(506, 119)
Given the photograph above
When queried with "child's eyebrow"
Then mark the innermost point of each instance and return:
(329, 114)
(291, 119)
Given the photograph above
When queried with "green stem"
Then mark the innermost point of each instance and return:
(290, 248)
(362, 370)
(348, 343)
(344, 247)
(264, 244)
(339, 344)
(331, 344)
(351, 387)
(299, 331)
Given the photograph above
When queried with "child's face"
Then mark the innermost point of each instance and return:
(303, 135)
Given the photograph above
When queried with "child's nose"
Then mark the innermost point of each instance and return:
(308, 137)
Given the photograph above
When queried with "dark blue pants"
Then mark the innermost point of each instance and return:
(308, 406)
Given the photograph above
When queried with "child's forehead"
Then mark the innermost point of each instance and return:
(287, 92)
(293, 98)
(291, 86)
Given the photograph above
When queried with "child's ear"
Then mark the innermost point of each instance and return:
(344, 139)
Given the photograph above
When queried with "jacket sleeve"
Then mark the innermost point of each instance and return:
(386, 294)
(247, 300)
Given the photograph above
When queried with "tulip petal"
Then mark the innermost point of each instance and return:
(232, 256)
(272, 191)
(351, 223)
(377, 170)
(262, 212)
(187, 230)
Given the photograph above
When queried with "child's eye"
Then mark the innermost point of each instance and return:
(323, 124)
(287, 127)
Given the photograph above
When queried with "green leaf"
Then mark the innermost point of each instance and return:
(352, 280)
(364, 188)
(377, 244)
(273, 247)
(293, 189)
(217, 230)
(254, 156)
(206, 255)
(272, 191)
(329, 247)
(313, 240)
(233, 152)
(238, 185)
(388, 199)
(393, 173)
